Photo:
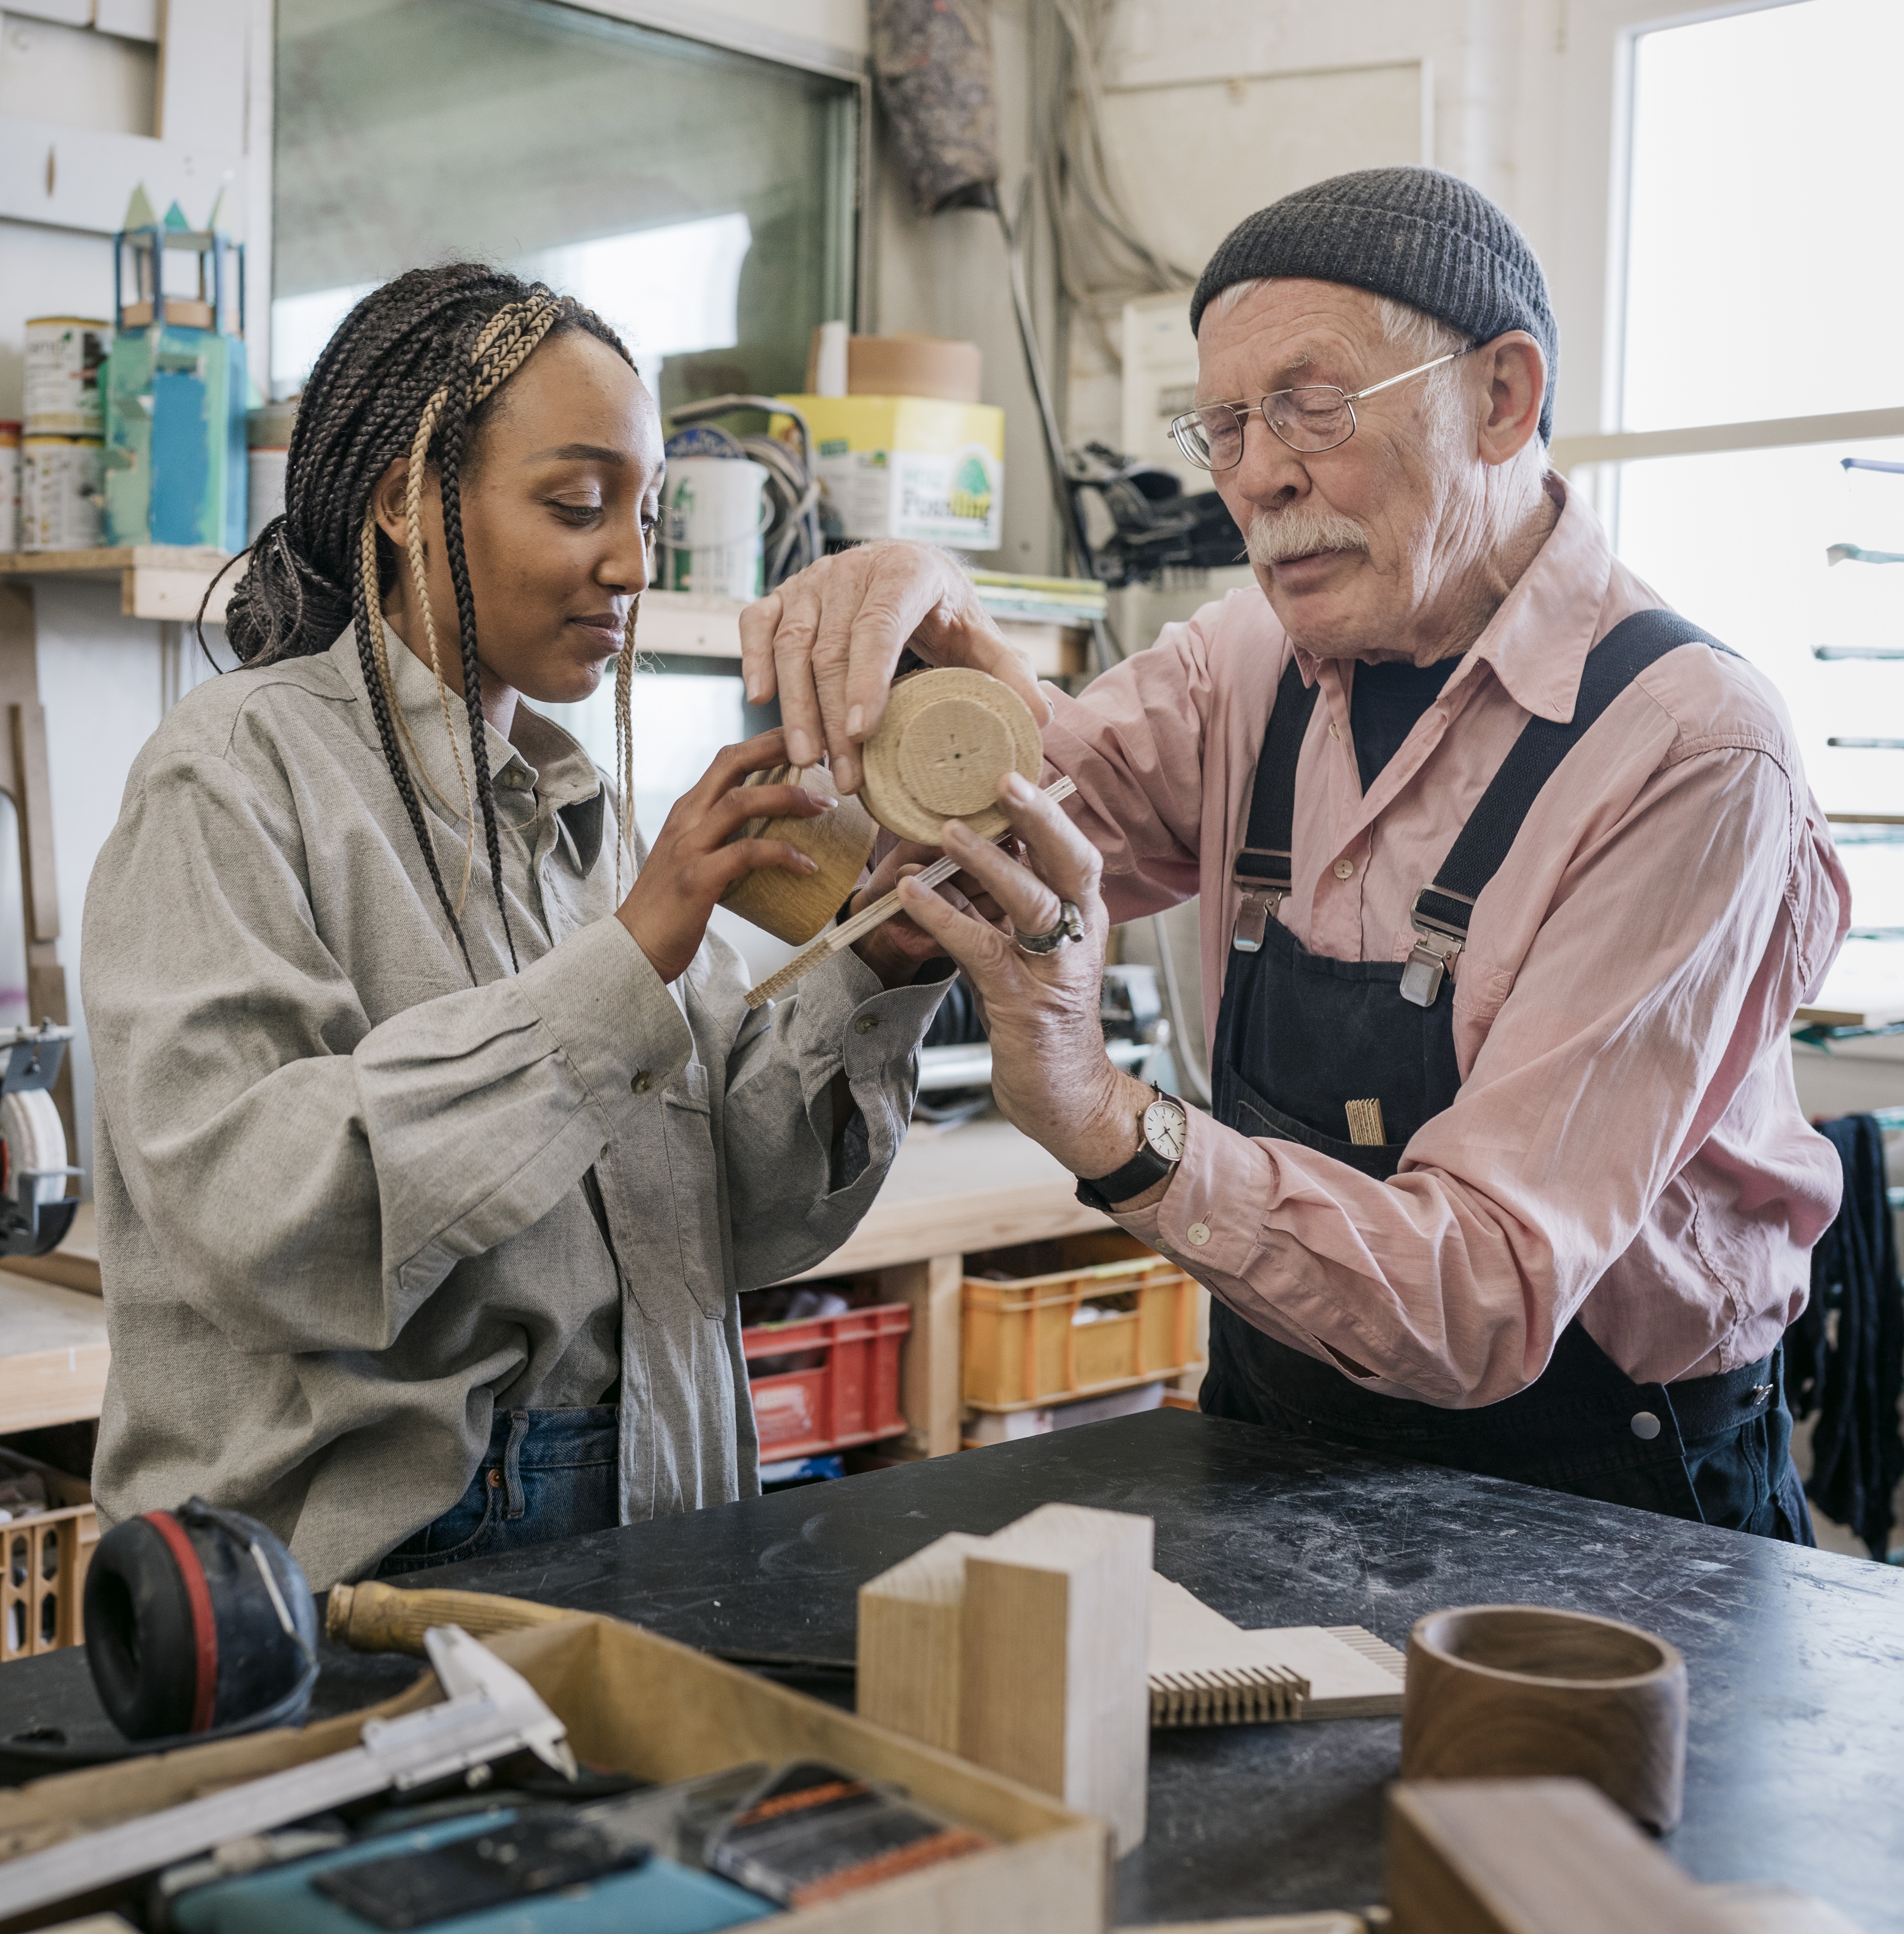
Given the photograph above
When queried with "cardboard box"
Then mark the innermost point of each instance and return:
(937, 366)
(907, 467)
(644, 1705)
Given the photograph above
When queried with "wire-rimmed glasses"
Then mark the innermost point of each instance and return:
(1315, 417)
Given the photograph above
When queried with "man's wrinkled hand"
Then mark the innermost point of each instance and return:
(827, 641)
(1050, 1075)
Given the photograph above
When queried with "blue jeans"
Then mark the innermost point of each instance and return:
(547, 1473)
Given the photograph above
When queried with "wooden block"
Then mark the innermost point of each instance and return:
(909, 1643)
(1530, 1857)
(1054, 1684)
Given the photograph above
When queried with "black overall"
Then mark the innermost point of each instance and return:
(1299, 1037)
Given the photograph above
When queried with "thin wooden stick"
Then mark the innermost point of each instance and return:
(836, 938)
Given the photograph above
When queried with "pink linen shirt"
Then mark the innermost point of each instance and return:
(1627, 1144)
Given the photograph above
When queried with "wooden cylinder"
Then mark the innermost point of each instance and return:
(948, 737)
(371, 1617)
(1521, 1691)
(794, 907)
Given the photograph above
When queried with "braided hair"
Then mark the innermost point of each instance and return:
(410, 372)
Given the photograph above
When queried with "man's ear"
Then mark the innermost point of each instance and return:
(386, 501)
(1515, 373)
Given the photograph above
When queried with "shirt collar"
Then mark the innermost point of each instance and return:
(562, 777)
(1537, 642)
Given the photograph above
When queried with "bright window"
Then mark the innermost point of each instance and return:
(1763, 280)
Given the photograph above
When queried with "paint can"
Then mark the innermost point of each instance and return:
(9, 486)
(64, 354)
(712, 517)
(61, 493)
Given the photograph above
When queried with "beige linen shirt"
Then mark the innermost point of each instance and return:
(1627, 1145)
(342, 1215)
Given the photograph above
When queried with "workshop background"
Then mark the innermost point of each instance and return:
(724, 182)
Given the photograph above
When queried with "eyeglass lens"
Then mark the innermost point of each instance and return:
(1315, 417)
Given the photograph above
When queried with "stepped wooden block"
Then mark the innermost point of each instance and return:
(909, 1646)
(1054, 1686)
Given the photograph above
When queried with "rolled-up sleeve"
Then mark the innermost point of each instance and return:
(792, 1204)
(313, 1178)
(1668, 964)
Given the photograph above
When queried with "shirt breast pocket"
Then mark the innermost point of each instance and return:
(694, 1175)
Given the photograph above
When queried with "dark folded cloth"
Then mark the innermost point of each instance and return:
(1844, 1355)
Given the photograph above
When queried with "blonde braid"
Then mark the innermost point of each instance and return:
(624, 745)
(380, 653)
(413, 499)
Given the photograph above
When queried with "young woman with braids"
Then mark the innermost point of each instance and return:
(433, 1135)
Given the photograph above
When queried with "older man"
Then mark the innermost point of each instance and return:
(1510, 883)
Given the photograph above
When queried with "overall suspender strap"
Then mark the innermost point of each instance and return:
(1442, 911)
(1262, 868)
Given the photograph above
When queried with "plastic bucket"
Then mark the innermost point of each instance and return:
(712, 518)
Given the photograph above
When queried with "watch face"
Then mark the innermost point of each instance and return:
(1165, 1129)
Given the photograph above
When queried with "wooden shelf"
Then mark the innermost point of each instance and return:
(162, 581)
(53, 1370)
(166, 582)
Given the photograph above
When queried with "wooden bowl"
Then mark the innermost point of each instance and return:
(947, 739)
(1520, 1691)
(795, 907)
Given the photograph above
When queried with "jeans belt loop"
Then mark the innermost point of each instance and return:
(515, 1503)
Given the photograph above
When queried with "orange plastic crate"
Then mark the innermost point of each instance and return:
(853, 1397)
(43, 1564)
(1023, 1346)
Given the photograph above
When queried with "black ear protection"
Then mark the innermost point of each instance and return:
(199, 1624)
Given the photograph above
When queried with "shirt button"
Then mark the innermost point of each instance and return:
(1645, 1424)
(1332, 733)
(642, 1082)
(1198, 1233)
(1344, 869)
(865, 1023)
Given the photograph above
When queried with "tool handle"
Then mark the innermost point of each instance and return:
(371, 1617)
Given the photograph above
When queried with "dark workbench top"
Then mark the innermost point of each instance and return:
(1795, 1769)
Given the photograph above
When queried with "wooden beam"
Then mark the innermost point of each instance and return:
(929, 1393)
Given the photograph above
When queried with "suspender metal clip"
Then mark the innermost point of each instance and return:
(1263, 897)
(1436, 944)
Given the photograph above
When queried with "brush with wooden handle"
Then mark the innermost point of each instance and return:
(837, 939)
(371, 1617)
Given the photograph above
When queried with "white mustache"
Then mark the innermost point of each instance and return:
(1275, 535)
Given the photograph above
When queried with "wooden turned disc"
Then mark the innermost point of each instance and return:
(947, 738)
(795, 907)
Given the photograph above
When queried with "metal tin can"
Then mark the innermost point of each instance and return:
(61, 493)
(64, 356)
(9, 486)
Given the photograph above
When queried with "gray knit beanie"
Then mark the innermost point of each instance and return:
(1415, 235)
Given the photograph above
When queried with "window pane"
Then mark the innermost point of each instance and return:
(1764, 276)
(1737, 543)
(702, 201)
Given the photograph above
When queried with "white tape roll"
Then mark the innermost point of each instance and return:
(31, 1127)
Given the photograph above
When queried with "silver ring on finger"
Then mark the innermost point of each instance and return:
(1070, 927)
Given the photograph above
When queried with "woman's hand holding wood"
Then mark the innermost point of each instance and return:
(695, 858)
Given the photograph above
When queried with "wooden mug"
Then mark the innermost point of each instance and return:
(1523, 1691)
(794, 906)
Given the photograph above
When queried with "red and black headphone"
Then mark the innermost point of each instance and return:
(199, 1623)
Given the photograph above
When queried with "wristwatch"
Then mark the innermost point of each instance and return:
(1164, 1125)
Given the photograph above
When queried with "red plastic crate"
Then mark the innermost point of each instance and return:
(851, 1398)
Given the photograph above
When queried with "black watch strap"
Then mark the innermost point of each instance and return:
(1143, 1170)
